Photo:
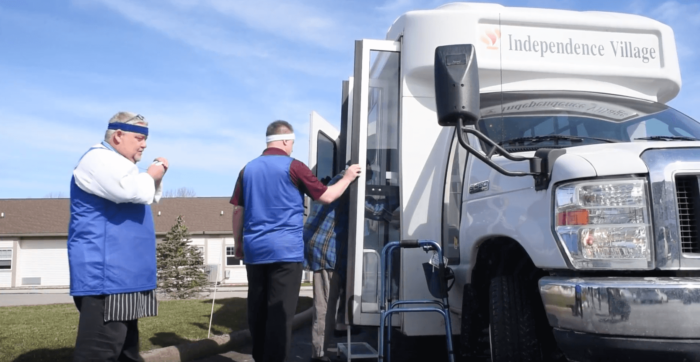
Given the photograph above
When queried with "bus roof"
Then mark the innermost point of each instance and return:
(543, 49)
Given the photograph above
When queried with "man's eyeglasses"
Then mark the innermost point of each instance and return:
(138, 116)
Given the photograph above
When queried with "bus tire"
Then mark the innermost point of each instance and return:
(512, 325)
(471, 330)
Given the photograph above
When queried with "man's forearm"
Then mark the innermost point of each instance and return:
(334, 191)
(238, 225)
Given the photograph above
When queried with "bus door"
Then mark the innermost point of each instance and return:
(375, 208)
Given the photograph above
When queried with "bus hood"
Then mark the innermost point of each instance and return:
(624, 158)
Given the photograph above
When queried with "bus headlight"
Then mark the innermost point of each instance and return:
(604, 224)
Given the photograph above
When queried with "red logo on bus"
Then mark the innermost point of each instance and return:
(491, 37)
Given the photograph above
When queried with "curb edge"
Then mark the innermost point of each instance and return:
(211, 346)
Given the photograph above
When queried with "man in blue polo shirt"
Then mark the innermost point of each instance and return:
(268, 217)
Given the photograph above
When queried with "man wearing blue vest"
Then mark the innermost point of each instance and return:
(268, 220)
(111, 241)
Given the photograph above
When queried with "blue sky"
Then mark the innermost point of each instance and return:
(209, 75)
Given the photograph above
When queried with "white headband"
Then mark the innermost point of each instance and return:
(280, 137)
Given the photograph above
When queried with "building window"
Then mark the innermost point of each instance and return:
(231, 260)
(5, 259)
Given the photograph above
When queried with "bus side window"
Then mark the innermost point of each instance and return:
(325, 158)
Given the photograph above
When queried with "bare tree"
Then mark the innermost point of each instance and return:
(181, 192)
(55, 195)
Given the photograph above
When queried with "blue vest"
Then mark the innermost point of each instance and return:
(273, 221)
(111, 247)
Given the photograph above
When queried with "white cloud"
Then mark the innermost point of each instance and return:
(287, 35)
(197, 134)
(80, 109)
(683, 17)
(23, 186)
(293, 20)
(191, 29)
(549, 4)
(675, 13)
(31, 133)
(56, 147)
(685, 20)
(394, 6)
(195, 154)
(636, 6)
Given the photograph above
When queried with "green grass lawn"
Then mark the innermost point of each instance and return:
(47, 332)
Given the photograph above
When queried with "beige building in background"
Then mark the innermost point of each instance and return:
(33, 235)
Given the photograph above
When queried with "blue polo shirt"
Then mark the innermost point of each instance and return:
(273, 187)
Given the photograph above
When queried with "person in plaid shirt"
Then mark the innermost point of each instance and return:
(325, 253)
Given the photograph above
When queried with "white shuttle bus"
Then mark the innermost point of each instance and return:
(563, 190)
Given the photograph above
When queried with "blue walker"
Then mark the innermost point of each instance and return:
(436, 277)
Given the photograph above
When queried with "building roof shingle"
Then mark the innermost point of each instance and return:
(50, 217)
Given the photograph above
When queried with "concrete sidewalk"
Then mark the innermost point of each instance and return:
(212, 346)
(404, 349)
(40, 296)
(301, 346)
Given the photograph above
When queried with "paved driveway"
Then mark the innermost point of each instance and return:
(407, 350)
(13, 297)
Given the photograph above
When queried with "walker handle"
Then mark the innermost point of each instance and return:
(411, 243)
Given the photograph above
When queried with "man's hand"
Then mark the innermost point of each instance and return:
(165, 163)
(238, 251)
(158, 168)
(237, 225)
(334, 191)
(352, 172)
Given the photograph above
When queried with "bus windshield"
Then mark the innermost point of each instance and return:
(527, 120)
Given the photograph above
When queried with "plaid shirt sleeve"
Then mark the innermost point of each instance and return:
(321, 232)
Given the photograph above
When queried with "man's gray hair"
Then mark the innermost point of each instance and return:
(279, 127)
(124, 117)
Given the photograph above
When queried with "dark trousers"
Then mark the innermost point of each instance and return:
(273, 292)
(100, 341)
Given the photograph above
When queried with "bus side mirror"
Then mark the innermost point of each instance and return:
(456, 85)
(457, 101)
